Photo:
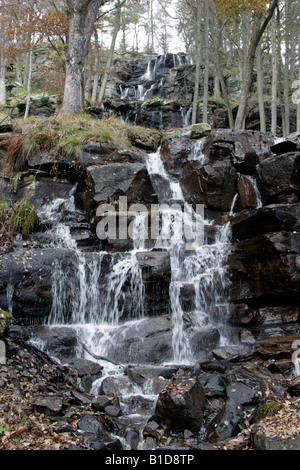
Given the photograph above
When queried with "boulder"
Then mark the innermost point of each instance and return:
(246, 191)
(271, 218)
(50, 405)
(59, 341)
(156, 274)
(214, 185)
(180, 404)
(195, 131)
(175, 154)
(243, 149)
(286, 144)
(100, 184)
(279, 178)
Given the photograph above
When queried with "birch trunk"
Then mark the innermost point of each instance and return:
(286, 88)
(260, 91)
(111, 54)
(28, 97)
(274, 80)
(197, 62)
(257, 32)
(96, 72)
(206, 63)
(2, 81)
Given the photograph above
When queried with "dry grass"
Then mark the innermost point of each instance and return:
(64, 136)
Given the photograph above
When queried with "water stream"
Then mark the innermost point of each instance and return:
(100, 295)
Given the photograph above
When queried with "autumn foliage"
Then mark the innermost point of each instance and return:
(233, 7)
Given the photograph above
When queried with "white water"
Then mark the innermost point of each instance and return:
(202, 267)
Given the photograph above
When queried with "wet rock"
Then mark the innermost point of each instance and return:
(286, 144)
(60, 341)
(279, 178)
(88, 371)
(146, 341)
(180, 405)
(30, 273)
(240, 148)
(175, 154)
(246, 191)
(99, 184)
(226, 423)
(272, 218)
(156, 273)
(115, 386)
(214, 185)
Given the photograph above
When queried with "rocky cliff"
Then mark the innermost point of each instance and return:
(249, 185)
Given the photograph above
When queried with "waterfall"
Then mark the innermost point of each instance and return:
(257, 193)
(202, 267)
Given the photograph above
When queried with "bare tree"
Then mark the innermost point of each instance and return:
(82, 15)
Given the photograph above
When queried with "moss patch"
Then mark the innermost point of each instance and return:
(65, 136)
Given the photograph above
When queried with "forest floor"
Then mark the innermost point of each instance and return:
(28, 375)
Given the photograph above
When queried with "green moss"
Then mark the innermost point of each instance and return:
(65, 136)
(265, 410)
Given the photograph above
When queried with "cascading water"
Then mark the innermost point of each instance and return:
(101, 295)
(201, 267)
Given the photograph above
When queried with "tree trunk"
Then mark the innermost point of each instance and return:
(216, 38)
(197, 62)
(2, 81)
(274, 80)
(111, 53)
(28, 97)
(82, 16)
(258, 30)
(298, 104)
(260, 91)
(96, 72)
(286, 88)
(206, 63)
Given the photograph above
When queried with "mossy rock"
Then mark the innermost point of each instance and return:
(195, 131)
(4, 319)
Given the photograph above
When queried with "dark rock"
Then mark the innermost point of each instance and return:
(113, 411)
(240, 148)
(262, 441)
(272, 218)
(227, 422)
(180, 405)
(286, 144)
(238, 353)
(175, 154)
(99, 184)
(146, 341)
(89, 423)
(279, 178)
(85, 367)
(59, 341)
(100, 402)
(214, 185)
(51, 405)
(246, 191)
(156, 273)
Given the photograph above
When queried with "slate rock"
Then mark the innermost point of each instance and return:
(180, 404)
(50, 405)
